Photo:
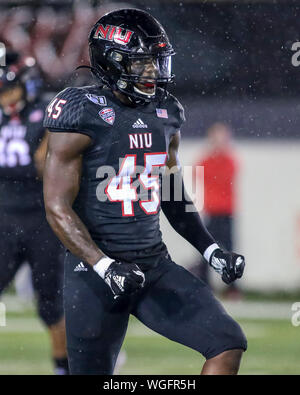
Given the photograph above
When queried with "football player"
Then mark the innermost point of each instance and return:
(102, 200)
(24, 232)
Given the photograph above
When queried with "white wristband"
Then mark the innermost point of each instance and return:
(102, 265)
(209, 250)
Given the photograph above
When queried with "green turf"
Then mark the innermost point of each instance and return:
(273, 345)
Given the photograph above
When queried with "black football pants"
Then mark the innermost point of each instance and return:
(173, 303)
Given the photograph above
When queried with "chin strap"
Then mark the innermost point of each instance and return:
(136, 101)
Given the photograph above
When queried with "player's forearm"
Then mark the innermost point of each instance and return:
(73, 234)
(188, 224)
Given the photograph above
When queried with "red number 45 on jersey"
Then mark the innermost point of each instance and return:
(120, 188)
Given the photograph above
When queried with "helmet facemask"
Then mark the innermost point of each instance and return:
(139, 75)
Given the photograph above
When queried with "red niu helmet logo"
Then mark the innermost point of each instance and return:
(113, 33)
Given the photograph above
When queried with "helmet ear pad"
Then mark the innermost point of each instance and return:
(98, 64)
(113, 65)
(105, 67)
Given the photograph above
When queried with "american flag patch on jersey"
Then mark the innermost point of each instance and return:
(108, 115)
(161, 113)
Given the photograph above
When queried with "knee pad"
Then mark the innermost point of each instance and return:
(229, 336)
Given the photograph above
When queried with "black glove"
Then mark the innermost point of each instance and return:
(124, 278)
(228, 264)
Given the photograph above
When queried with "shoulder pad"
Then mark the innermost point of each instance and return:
(65, 110)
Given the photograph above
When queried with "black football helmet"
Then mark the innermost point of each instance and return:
(21, 71)
(122, 44)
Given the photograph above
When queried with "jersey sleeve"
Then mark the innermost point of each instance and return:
(176, 112)
(65, 113)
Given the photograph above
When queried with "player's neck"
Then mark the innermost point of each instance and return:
(123, 98)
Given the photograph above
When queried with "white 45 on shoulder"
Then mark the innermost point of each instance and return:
(55, 108)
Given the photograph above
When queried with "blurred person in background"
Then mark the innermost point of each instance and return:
(24, 232)
(58, 47)
(220, 172)
(15, 24)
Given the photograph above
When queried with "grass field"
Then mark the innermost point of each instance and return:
(273, 348)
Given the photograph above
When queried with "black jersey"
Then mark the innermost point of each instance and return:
(127, 144)
(20, 136)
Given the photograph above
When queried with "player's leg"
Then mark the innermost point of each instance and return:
(10, 249)
(182, 308)
(201, 269)
(228, 362)
(96, 324)
(23, 283)
(45, 255)
(225, 225)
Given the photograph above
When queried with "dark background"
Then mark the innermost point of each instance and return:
(233, 60)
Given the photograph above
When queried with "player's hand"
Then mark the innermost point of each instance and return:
(122, 278)
(228, 264)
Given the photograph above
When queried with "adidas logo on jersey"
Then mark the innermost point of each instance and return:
(139, 124)
(80, 268)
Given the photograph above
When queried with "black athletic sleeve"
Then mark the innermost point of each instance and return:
(187, 223)
(65, 113)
